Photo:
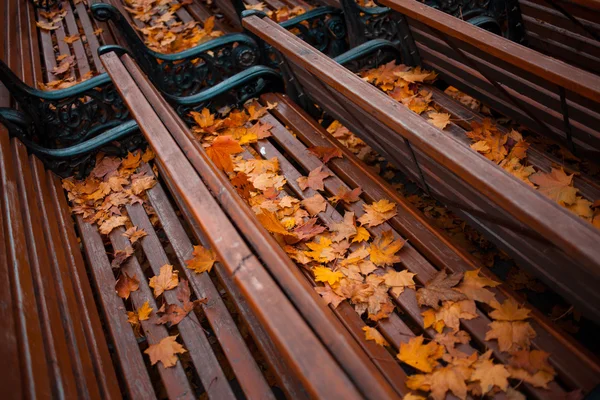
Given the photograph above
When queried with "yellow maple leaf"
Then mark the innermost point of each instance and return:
(166, 280)
(202, 260)
(374, 335)
(165, 351)
(452, 312)
(344, 229)
(377, 213)
(362, 235)
(321, 251)
(422, 357)
(509, 310)
(144, 311)
(489, 374)
(384, 248)
(511, 335)
(204, 118)
(430, 320)
(324, 274)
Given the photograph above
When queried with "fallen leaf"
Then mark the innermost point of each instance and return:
(202, 260)
(144, 311)
(167, 279)
(315, 204)
(556, 185)
(272, 224)
(308, 230)
(126, 284)
(384, 248)
(314, 180)
(260, 130)
(362, 235)
(64, 66)
(374, 335)
(121, 256)
(346, 196)
(451, 312)
(134, 234)
(489, 374)
(46, 26)
(142, 183)
(329, 295)
(165, 351)
(325, 154)
(440, 288)
(439, 120)
(71, 39)
(474, 287)
(511, 336)
(220, 152)
(450, 378)
(422, 357)
(377, 213)
(324, 274)
(344, 229)
(398, 281)
(509, 310)
(111, 223)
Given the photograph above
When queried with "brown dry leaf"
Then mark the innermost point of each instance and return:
(111, 223)
(314, 180)
(377, 213)
(346, 196)
(220, 152)
(165, 351)
(134, 234)
(490, 375)
(126, 284)
(556, 185)
(98, 31)
(173, 313)
(474, 287)
(398, 281)
(315, 204)
(64, 66)
(374, 335)
(325, 154)
(439, 120)
(511, 335)
(384, 248)
(46, 26)
(324, 274)
(451, 378)
(121, 256)
(308, 230)
(539, 379)
(71, 39)
(202, 260)
(509, 310)
(440, 288)
(132, 160)
(204, 118)
(329, 295)
(422, 357)
(532, 361)
(141, 183)
(260, 130)
(167, 279)
(345, 229)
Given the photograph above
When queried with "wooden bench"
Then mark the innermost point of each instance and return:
(192, 70)
(327, 361)
(510, 213)
(567, 30)
(62, 117)
(546, 95)
(426, 251)
(53, 342)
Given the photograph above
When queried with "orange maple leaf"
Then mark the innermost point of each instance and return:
(165, 351)
(167, 279)
(220, 152)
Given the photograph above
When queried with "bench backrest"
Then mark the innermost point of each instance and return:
(447, 167)
(567, 30)
(538, 91)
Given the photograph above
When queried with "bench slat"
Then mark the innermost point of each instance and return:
(33, 363)
(92, 40)
(83, 65)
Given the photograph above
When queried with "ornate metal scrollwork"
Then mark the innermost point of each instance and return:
(45, 4)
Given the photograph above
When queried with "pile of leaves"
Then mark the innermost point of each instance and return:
(350, 263)
(506, 149)
(278, 15)
(164, 32)
(64, 72)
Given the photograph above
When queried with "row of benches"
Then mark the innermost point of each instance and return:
(314, 351)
